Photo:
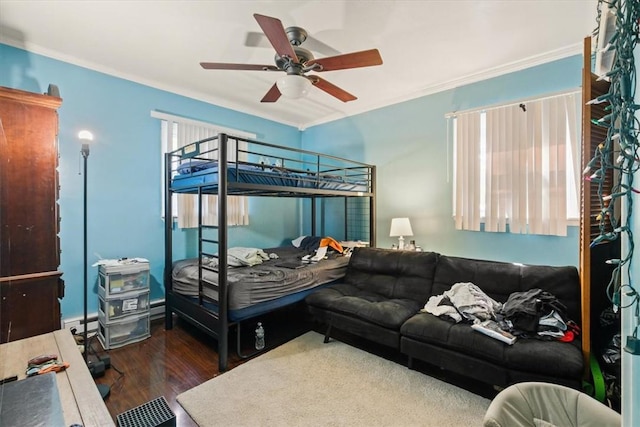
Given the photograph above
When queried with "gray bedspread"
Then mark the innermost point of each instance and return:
(262, 282)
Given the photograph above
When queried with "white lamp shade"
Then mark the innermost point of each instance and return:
(293, 86)
(400, 227)
(85, 135)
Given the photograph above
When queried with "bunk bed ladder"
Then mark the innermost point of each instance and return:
(168, 241)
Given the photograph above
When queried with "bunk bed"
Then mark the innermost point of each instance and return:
(207, 290)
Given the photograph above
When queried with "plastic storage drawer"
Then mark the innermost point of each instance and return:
(117, 279)
(124, 331)
(121, 305)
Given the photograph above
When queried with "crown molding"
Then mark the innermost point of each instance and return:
(529, 62)
(54, 54)
(532, 61)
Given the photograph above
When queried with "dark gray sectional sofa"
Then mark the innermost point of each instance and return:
(383, 291)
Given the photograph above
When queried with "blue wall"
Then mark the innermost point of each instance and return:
(124, 184)
(408, 143)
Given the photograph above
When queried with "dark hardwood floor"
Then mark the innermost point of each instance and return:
(173, 361)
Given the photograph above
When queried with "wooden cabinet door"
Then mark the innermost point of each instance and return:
(30, 284)
(29, 307)
(28, 183)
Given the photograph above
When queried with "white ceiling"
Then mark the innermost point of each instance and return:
(426, 46)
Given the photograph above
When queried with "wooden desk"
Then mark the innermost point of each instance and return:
(81, 401)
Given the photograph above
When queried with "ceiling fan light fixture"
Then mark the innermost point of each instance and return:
(294, 86)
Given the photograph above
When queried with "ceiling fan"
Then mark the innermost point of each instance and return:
(297, 61)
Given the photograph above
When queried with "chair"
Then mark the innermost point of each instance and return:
(537, 404)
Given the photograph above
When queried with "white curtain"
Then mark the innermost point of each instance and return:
(526, 166)
(468, 161)
(237, 206)
(506, 151)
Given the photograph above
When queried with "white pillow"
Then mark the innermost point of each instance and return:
(297, 242)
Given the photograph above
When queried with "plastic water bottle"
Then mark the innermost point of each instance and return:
(259, 337)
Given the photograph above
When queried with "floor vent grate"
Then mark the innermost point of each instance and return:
(155, 413)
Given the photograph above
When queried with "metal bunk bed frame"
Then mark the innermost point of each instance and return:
(217, 324)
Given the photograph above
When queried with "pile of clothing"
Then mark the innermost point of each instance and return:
(317, 247)
(537, 313)
(240, 257)
(531, 314)
(463, 301)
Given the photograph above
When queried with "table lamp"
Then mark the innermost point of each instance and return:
(400, 227)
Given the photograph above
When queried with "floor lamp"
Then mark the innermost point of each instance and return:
(86, 137)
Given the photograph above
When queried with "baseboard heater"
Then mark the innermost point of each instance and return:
(156, 311)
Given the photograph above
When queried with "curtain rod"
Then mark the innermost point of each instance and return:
(156, 114)
(508, 104)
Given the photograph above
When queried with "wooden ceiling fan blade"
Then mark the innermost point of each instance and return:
(272, 95)
(332, 89)
(228, 66)
(365, 58)
(274, 30)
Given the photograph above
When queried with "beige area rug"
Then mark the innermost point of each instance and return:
(309, 383)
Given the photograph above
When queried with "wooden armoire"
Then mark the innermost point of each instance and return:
(30, 281)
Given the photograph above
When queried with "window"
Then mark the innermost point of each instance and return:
(178, 132)
(518, 165)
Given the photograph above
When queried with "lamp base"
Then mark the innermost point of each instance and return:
(98, 364)
(104, 390)
(401, 243)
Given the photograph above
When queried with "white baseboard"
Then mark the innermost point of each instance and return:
(156, 311)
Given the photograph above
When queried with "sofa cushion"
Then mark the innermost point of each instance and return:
(553, 358)
(348, 299)
(501, 279)
(393, 274)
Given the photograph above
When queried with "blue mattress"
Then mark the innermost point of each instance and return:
(202, 173)
(260, 308)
